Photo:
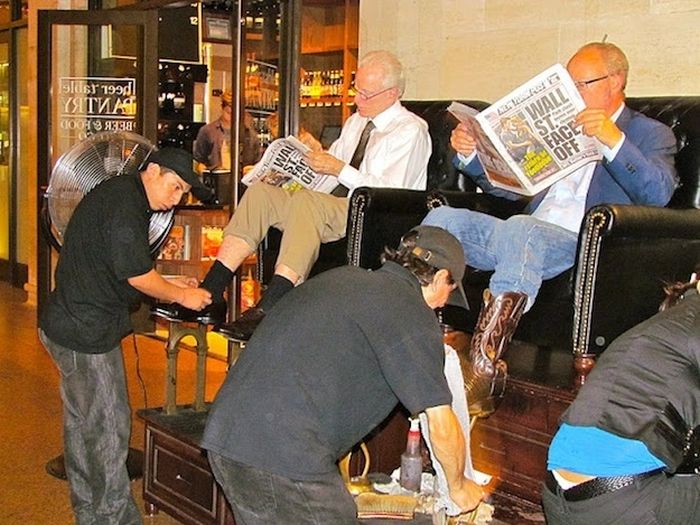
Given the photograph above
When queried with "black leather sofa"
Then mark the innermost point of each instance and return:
(625, 255)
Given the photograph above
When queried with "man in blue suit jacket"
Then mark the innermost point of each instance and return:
(637, 168)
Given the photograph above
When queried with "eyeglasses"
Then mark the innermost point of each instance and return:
(583, 84)
(369, 96)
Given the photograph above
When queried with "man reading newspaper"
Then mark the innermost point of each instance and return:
(382, 144)
(527, 141)
(637, 168)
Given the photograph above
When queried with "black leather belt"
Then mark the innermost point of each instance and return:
(596, 486)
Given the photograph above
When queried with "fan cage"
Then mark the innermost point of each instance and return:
(89, 163)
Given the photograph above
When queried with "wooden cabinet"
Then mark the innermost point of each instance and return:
(177, 478)
(512, 444)
(193, 242)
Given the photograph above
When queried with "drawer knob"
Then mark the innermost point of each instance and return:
(180, 478)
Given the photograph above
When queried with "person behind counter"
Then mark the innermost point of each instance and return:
(104, 266)
(324, 368)
(628, 448)
(212, 147)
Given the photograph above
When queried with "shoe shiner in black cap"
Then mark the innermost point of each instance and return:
(180, 162)
(104, 267)
(325, 367)
(440, 249)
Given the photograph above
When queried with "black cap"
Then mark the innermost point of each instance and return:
(180, 161)
(440, 249)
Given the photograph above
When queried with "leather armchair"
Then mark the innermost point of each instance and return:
(625, 254)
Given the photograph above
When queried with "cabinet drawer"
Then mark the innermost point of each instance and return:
(180, 478)
(173, 474)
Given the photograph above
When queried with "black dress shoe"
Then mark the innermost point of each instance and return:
(242, 328)
(214, 314)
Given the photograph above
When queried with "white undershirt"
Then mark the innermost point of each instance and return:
(565, 202)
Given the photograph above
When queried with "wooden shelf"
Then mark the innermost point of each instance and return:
(321, 102)
(194, 240)
(329, 41)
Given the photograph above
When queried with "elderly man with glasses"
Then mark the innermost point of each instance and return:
(382, 145)
(637, 168)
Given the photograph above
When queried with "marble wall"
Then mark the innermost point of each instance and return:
(481, 49)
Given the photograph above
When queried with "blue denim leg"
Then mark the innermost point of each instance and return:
(96, 429)
(474, 231)
(261, 498)
(522, 250)
(528, 251)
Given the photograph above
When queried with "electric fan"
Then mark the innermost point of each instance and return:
(88, 163)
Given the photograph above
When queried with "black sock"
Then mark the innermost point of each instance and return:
(216, 280)
(275, 290)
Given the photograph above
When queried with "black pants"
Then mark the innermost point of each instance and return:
(261, 498)
(658, 500)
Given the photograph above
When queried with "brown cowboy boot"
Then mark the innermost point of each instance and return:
(484, 371)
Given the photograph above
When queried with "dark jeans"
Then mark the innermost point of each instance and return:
(659, 500)
(261, 498)
(96, 429)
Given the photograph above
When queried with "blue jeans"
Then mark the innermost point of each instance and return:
(96, 429)
(522, 250)
(261, 498)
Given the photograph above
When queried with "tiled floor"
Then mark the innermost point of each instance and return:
(30, 412)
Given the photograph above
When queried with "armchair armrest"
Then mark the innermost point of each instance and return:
(625, 255)
(378, 217)
(482, 202)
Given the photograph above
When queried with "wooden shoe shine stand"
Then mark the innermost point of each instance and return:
(511, 444)
(177, 478)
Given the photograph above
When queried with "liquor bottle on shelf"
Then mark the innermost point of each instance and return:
(316, 85)
(261, 85)
(321, 84)
(250, 287)
(351, 88)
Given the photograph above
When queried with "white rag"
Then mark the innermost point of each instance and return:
(455, 380)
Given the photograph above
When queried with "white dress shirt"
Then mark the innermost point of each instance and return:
(397, 152)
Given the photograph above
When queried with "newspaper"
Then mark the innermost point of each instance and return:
(283, 165)
(526, 141)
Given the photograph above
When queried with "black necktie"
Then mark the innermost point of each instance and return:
(340, 190)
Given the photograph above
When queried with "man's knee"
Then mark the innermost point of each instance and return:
(526, 226)
(521, 223)
(302, 200)
(259, 192)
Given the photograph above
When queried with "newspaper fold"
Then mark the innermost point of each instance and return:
(527, 141)
(283, 165)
